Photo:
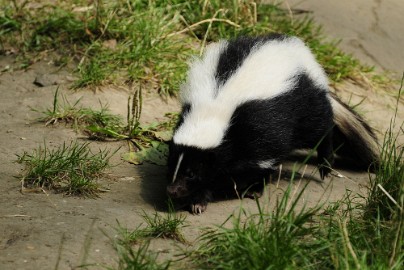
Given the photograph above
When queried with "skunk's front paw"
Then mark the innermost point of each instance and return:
(200, 201)
(199, 208)
(324, 171)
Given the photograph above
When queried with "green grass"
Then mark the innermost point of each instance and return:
(140, 258)
(149, 42)
(64, 111)
(343, 236)
(132, 246)
(148, 141)
(167, 226)
(72, 169)
(102, 124)
(277, 239)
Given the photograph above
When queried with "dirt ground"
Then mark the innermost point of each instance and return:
(53, 231)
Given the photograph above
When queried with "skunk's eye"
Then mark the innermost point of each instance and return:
(190, 174)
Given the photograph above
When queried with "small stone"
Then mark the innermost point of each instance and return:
(44, 80)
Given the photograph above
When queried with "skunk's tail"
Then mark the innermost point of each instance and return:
(353, 138)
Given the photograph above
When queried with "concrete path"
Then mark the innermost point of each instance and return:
(371, 30)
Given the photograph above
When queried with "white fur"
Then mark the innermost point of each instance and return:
(267, 164)
(265, 73)
(201, 83)
(177, 167)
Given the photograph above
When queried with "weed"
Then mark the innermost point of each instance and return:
(140, 259)
(167, 226)
(101, 124)
(148, 141)
(63, 110)
(157, 226)
(72, 169)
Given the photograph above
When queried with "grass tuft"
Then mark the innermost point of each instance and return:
(138, 259)
(102, 124)
(134, 252)
(64, 111)
(167, 227)
(71, 169)
(148, 141)
(157, 226)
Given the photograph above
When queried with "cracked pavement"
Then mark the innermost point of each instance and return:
(373, 31)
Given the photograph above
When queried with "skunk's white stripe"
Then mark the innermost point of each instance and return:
(201, 82)
(267, 71)
(177, 167)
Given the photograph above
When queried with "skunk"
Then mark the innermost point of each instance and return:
(246, 105)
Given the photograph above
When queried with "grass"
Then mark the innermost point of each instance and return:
(133, 247)
(64, 111)
(167, 226)
(139, 259)
(267, 240)
(102, 124)
(105, 41)
(70, 168)
(149, 42)
(157, 226)
(148, 141)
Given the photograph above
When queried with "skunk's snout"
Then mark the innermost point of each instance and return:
(176, 191)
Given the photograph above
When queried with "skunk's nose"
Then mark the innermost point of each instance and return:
(175, 191)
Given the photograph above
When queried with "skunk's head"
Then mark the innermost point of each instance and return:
(190, 170)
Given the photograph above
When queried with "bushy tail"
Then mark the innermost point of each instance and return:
(353, 138)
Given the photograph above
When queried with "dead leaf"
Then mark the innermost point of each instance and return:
(157, 154)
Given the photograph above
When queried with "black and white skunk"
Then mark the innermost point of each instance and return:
(247, 104)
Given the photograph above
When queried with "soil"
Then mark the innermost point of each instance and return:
(53, 231)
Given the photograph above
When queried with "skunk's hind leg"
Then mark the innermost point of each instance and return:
(251, 183)
(325, 155)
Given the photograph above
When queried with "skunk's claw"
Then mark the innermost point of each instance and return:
(198, 208)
